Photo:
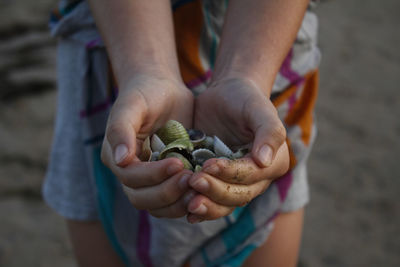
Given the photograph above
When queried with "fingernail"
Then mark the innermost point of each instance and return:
(174, 168)
(200, 185)
(194, 219)
(121, 151)
(183, 181)
(213, 170)
(265, 155)
(200, 210)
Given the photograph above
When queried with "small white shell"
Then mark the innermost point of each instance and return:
(208, 142)
(146, 150)
(201, 155)
(156, 144)
(196, 136)
(220, 149)
(154, 156)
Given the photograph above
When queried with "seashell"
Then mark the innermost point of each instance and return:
(196, 136)
(156, 143)
(220, 149)
(154, 156)
(186, 163)
(208, 143)
(201, 155)
(198, 168)
(240, 153)
(172, 131)
(177, 145)
(145, 155)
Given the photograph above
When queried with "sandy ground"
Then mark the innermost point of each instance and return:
(354, 216)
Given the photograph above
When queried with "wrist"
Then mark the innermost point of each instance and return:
(148, 74)
(247, 79)
(242, 66)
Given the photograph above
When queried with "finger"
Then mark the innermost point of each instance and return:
(225, 193)
(245, 170)
(162, 195)
(123, 123)
(269, 133)
(140, 174)
(238, 171)
(177, 209)
(202, 208)
(143, 174)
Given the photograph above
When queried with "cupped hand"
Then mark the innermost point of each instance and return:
(238, 112)
(143, 105)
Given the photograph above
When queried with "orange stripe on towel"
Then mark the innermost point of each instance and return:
(188, 21)
(301, 113)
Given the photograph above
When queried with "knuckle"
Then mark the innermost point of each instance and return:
(114, 129)
(279, 132)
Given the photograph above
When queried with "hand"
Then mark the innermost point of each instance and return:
(241, 115)
(142, 107)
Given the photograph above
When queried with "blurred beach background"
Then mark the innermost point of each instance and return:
(353, 218)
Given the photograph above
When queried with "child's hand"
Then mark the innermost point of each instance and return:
(143, 106)
(237, 111)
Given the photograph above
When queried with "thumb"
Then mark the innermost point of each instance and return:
(121, 134)
(269, 134)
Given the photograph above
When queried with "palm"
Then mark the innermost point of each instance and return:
(160, 100)
(224, 111)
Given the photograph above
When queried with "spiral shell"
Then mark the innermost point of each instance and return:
(172, 131)
(186, 163)
(208, 143)
(220, 149)
(177, 145)
(154, 156)
(157, 144)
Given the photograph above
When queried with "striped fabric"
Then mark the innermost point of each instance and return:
(142, 240)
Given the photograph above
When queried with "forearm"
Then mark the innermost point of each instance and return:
(257, 36)
(138, 36)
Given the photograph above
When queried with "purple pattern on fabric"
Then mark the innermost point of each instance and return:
(283, 184)
(287, 71)
(143, 240)
(93, 43)
(201, 79)
(97, 108)
(293, 77)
